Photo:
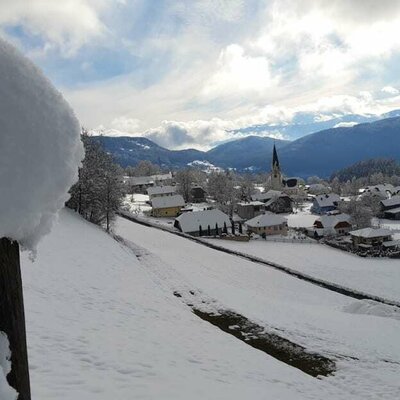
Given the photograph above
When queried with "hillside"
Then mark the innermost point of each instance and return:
(102, 325)
(323, 152)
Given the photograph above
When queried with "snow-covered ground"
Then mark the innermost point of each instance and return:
(375, 276)
(361, 335)
(136, 203)
(104, 324)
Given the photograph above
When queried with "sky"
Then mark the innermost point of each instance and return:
(189, 73)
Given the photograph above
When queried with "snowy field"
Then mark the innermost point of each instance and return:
(103, 323)
(361, 335)
(375, 276)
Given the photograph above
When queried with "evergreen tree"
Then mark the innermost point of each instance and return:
(200, 231)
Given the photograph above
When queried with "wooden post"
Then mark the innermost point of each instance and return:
(12, 317)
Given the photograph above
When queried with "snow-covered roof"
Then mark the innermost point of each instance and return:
(393, 201)
(330, 221)
(380, 188)
(191, 221)
(393, 210)
(371, 232)
(267, 219)
(271, 194)
(168, 201)
(327, 200)
(251, 203)
(155, 190)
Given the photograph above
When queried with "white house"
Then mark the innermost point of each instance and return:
(332, 225)
(205, 221)
(267, 224)
(325, 203)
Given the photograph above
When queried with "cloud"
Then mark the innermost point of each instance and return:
(390, 90)
(65, 25)
(189, 73)
(345, 124)
(238, 73)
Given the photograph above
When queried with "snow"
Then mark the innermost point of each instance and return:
(327, 200)
(192, 220)
(103, 324)
(366, 347)
(158, 190)
(301, 218)
(393, 201)
(168, 201)
(40, 149)
(6, 391)
(379, 277)
(267, 219)
(371, 232)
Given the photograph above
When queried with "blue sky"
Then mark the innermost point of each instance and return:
(188, 73)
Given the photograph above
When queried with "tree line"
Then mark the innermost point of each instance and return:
(99, 191)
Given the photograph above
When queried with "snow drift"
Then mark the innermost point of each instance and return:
(6, 392)
(40, 149)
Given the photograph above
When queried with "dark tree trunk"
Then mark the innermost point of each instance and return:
(12, 317)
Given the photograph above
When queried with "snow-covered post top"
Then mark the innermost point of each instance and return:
(40, 149)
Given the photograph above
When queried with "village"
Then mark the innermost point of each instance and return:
(282, 210)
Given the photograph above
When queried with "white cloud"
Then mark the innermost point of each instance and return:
(390, 90)
(66, 25)
(345, 124)
(238, 73)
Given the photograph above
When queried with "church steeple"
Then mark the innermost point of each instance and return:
(275, 159)
(276, 176)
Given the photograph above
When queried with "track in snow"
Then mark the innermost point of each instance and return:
(315, 281)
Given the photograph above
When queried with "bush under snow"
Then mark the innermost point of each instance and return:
(6, 392)
(40, 149)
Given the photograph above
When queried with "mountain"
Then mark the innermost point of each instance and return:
(244, 153)
(323, 152)
(305, 123)
(319, 153)
(130, 150)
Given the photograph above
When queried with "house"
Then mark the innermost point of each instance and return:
(140, 184)
(325, 203)
(205, 222)
(383, 191)
(197, 194)
(391, 207)
(167, 206)
(275, 201)
(331, 225)
(159, 191)
(372, 238)
(248, 210)
(267, 224)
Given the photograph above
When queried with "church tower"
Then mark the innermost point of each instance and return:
(276, 175)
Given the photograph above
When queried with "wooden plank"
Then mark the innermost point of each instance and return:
(12, 316)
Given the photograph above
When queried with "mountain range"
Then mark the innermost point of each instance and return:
(319, 153)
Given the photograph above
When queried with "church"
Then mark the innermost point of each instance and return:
(276, 180)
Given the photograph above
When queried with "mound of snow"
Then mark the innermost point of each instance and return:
(40, 149)
(6, 392)
(370, 307)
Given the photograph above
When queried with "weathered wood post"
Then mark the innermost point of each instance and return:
(12, 316)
